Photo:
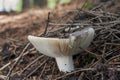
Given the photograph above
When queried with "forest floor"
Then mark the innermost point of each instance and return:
(19, 60)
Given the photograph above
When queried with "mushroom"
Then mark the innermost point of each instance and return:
(63, 49)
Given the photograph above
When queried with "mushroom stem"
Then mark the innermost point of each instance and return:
(65, 63)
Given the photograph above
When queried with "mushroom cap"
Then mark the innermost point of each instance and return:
(56, 47)
(82, 39)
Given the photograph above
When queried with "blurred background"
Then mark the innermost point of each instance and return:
(20, 5)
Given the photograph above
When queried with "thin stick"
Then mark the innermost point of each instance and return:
(45, 31)
(97, 56)
(112, 58)
(42, 70)
(75, 24)
(81, 76)
(16, 62)
(81, 70)
(87, 69)
(36, 68)
(84, 4)
(114, 44)
(2, 77)
(31, 63)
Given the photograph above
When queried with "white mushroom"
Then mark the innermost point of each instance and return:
(63, 49)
